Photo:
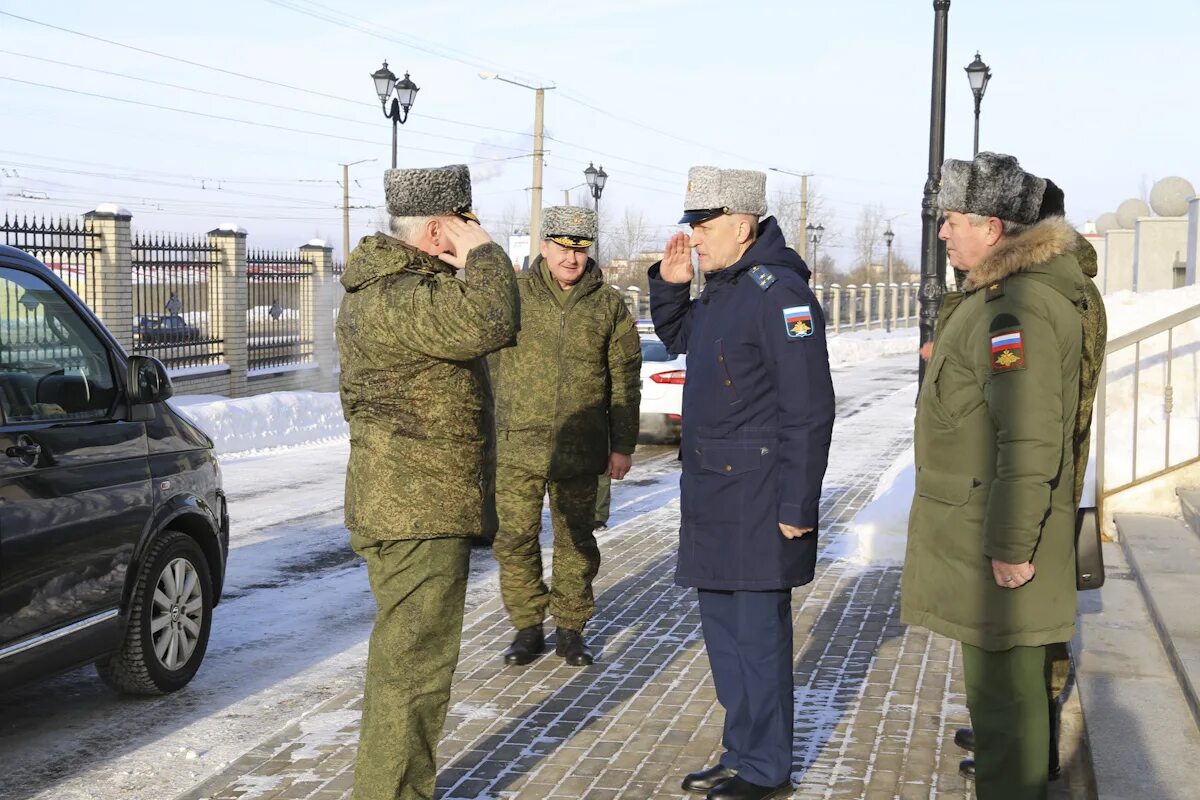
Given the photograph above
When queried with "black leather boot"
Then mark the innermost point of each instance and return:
(965, 738)
(571, 647)
(700, 782)
(741, 789)
(528, 645)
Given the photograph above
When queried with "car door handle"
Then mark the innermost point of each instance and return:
(30, 450)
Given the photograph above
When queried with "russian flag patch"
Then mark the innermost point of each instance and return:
(1008, 351)
(798, 321)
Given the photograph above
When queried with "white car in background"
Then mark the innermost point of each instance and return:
(662, 390)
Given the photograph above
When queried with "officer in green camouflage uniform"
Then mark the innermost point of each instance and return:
(412, 338)
(567, 398)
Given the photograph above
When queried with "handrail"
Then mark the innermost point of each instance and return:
(1153, 329)
(1134, 339)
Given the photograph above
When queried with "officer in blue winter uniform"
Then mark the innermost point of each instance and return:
(758, 411)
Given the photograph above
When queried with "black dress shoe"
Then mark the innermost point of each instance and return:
(571, 647)
(741, 789)
(966, 768)
(528, 645)
(700, 782)
(965, 738)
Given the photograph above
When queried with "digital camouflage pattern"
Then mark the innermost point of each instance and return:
(414, 386)
(1095, 338)
(995, 449)
(567, 394)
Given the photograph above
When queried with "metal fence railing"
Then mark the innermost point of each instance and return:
(66, 245)
(1147, 404)
(279, 285)
(174, 316)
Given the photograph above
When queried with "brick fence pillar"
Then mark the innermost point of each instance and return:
(320, 302)
(230, 295)
(112, 295)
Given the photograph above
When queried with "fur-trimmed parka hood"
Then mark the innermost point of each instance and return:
(1046, 252)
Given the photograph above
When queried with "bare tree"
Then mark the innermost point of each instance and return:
(785, 205)
(630, 237)
(868, 235)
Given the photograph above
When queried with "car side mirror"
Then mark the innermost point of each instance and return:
(148, 381)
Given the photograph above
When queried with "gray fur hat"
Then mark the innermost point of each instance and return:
(431, 192)
(712, 192)
(993, 185)
(570, 226)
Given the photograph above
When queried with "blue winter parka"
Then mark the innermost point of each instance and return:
(758, 409)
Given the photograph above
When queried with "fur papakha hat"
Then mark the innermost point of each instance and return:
(712, 192)
(570, 226)
(993, 185)
(429, 192)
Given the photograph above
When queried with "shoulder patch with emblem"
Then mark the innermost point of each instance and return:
(763, 277)
(994, 290)
(1008, 351)
(798, 321)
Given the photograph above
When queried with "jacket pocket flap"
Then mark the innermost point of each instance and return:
(945, 487)
(730, 460)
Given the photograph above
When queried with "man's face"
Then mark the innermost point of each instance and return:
(566, 264)
(716, 242)
(966, 242)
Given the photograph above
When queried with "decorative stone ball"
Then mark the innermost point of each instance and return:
(1169, 197)
(1107, 222)
(1130, 211)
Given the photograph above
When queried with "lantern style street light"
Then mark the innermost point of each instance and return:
(888, 236)
(979, 74)
(596, 178)
(405, 94)
(815, 232)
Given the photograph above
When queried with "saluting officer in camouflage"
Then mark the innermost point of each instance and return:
(567, 398)
(414, 389)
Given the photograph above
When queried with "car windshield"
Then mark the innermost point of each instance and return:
(655, 350)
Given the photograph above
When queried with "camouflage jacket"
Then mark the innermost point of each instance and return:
(414, 386)
(569, 392)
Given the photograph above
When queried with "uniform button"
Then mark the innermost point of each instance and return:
(720, 358)
(728, 382)
(729, 468)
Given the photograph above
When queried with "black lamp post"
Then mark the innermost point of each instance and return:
(596, 178)
(978, 73)
(933, 250)
(405, 95)
(815, 232)
(888, 236)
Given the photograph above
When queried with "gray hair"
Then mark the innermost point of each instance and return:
(1010, 228)
(407, 229)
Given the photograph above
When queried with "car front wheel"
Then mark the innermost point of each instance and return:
(169, 622)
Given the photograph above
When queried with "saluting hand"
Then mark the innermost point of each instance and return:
(677, 260)
(792, 532)
(462, 237)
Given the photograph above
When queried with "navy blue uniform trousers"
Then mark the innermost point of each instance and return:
(748, 636)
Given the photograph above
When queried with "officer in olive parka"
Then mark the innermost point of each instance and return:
(567, 406)
(414, 389)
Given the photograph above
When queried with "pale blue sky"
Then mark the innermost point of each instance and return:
(1098, 95)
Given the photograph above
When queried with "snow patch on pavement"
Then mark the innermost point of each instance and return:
(852, 348)
(250, 425)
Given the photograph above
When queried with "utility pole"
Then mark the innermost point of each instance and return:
(535, 218)
(346, 205)
(803, 176)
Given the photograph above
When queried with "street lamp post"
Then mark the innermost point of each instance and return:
(933, 251)
(979, 74)
(405, 95)
(888, 236)
(815, 232)
(596, 178)
(535, 215)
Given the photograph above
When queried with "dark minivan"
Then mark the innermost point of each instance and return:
(113, 525)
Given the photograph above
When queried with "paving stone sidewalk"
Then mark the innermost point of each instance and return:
(877, 703)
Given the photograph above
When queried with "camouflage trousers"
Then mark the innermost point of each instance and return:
(519, 496)
(420, 590)
(603, 499)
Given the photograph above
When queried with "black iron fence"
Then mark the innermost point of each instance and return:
(174, 317)
(278, 287)
(66, 245)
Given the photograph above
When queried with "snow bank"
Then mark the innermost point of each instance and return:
(878, 534)
(853, 348)
(247, 425)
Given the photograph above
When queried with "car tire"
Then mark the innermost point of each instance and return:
(169, 622)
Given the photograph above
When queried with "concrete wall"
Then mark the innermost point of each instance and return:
(1118, 261)
(1193, 242)
(1159, 244)
(1099, 243)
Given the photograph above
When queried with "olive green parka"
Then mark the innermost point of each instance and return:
(995, 449)
(414, 386)
(568, 392)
